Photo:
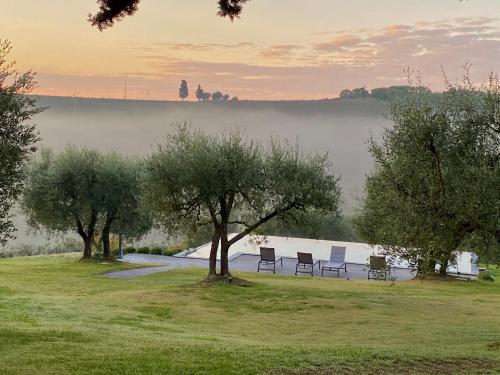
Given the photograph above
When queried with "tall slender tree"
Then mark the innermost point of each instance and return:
(183, 90)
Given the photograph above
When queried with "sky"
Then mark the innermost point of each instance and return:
(277, 50)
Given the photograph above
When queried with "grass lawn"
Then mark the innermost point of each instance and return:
(60, 316)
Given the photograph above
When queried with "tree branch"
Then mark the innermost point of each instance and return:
(265, 219)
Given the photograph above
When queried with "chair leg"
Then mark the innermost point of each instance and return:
(322, 272)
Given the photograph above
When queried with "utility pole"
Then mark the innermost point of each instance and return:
(74, 103)
(125, 86)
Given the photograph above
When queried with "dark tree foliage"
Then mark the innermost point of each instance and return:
(225, 181)
(111, 11)
(435, 188)
(183, 90)
(17, 136)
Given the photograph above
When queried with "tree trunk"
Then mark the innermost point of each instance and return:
(87, 251)
(213, 253)
(443, 268)
(106, 248)
(87, 236)
(120, 246)
(224, 250)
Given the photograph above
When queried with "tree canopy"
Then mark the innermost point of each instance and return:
(84, 191)
(435, 188)
(225, 180)
(111, 11)
(18, 136)
(183, 90)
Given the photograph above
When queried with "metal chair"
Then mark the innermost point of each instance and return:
(337, 261)
(378, 268)
(268, 258)
(305, 263)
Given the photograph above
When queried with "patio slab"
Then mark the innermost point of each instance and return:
(241, 263)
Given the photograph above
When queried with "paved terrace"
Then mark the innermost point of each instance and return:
(241, 263)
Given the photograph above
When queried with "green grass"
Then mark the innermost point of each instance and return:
(61, 316)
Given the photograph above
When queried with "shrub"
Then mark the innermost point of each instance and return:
(130, 250)
(156, 250)
(144, 250)
(486, 276)
(172, 250)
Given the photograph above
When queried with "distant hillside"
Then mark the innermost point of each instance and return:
(362, 106)
(340, 127)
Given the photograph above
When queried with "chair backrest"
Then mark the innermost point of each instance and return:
(267, 254)
(305, 258)
(378, 263)
(338, 254)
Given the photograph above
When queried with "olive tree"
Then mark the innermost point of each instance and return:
(85, 191)
(18, 136)
(119, 199)
(227, 180)
(61, 193)
(435, 187)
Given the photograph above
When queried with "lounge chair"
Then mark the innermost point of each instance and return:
(268, 258)
(337, 261)
(305, 263)
(378, 268)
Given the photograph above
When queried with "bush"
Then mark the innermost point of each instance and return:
(144, 250)
(130, 250)
(156, 250)
(486, 276)
(172, 250)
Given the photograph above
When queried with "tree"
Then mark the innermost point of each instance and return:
(435, 188)
(392, 93)
(217, 96)
(345, 94)
(225, 180)
(359, 92)
(111, 11)
(61, 193)
(200, 94)
(313, 224)
(183, 90)
(119, 197)
(17, 136)
(206, 96)
(82, 190)
(225, 97)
